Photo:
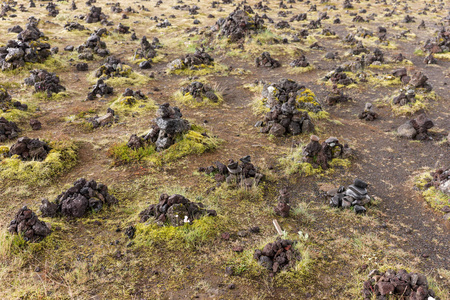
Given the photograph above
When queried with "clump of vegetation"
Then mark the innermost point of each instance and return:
(197, 94)
(188, 236)
(191, 142)
(432, 195)
(61, 158)
(126, 105)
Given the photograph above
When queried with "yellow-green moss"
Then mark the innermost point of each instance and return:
(55, 96)
(189, 100)
(202, 70)
(127, 77)
(192, 142)
(443, 56)
(293, 164)
(407, 109)
(187, 236)
(16, 115)
(61, 158)
(419, 52)
(127, 105)
(300, 70)
(434, 197)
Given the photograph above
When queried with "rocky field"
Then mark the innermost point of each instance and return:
(225, 150)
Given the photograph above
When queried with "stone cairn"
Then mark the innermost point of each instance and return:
(335, 96)
(29, 149)
(131, 97)
(282, 209)
(95, 15)
(276, 256)
(191, 61)
(354, 195)
(105, 120)
(113, 67)
(265, 60)
(51, 8)
(27, 224)
(198, 91)
(44, 81)
(408, 286)
(440, 43)
(69, 26)
(368, 114)
(318, 154)
(300, 62)
(147, 51)
(78, 200)
(339, 77)
(286, 99)
(176, 210)
(239, 24)
(93, 45)
(416, 128)
(27, 48)
(244, 174)
(7, 104)
(8, 130)
(100, 89)
(417, 80)
(167, 126)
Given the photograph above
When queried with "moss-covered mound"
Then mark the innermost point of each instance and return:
(194, 141)
(432, 188)
(198, 94)
(60, 159)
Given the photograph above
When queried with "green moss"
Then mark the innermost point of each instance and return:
(443, 56)
(127, 105)
(188, 100)
(407, 109)
(55, 97)
(434, 197)
(192, 142)
(16, 115)
(293, 164)
(61, 158)
(127, 77)
(201, 70)
(201, 231)
(419, 52)
(300, 70)
(243, 264)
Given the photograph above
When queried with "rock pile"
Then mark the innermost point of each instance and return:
(113, 67)
(74, 26)
(147, 50)
(335, 96)
(368, 114)
(199, 91)
(401, 284)
(282, 209)
(267, 61)
(95, 15)
(354, 195)
(44, 81)
(176, 210)
(27, 224)
(131, 96)
(440, 43)
(167, 126)
(51, 8)
(99, 90)
(339, 77)
(122, 29)
(16, 53)
(417, 80)
(107, 119)
(276, 256)
(30, 149)
(8, 130)
(93, 45)
(416, 128)
(192, 61)
(299, 62)
(440, 179)
(234, 173)
(31, 32)
(318, 154)
(286, 99)
(78, 200)
(239, 24)
(6, 102)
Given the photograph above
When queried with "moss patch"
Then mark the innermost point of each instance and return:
(434, 197)
(127, 105)
(200, 70)
(61, 158)
(192, 142)
(189, 100)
